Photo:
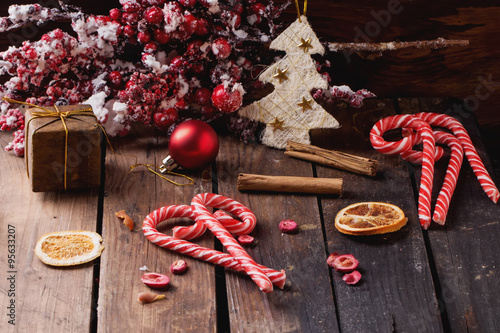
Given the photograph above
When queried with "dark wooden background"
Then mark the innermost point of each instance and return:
(453, 72)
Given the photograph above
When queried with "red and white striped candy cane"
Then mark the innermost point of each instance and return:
(452, 172)
(201, 212)
(405, 144)
(436, 119)
(415, 156)
(278, 278)
(232, 225)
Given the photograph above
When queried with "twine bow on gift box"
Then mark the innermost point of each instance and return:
(62, 116)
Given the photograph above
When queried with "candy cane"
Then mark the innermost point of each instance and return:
(436, 119)
(232, 225)
(452, 172)
(415, 156)
(278, 278)
(405, 144)
(202, 214)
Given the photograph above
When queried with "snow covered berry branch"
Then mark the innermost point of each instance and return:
(156, 62)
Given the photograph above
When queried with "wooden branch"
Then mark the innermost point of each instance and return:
(332, 158)
(252, 182)
(392, 46)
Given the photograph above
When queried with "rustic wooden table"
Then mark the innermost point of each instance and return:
(443, 279)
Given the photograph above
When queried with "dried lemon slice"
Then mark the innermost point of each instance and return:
(68, 248)
(370, 218)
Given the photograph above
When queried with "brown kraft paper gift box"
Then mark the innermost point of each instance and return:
(46, 145)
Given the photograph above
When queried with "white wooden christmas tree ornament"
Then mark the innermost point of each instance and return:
(290, 112)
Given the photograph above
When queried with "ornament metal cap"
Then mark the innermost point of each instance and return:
(168, 164)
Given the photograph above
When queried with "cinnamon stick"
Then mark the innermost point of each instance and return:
(252, 182)
(332, 158)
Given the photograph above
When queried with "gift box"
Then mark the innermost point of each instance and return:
(63, 148)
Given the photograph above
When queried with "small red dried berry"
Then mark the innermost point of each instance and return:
(345, 263)
(288, 227)
(179, 267)
(352, 278)
(331, 258)
(155, 280)
(246, 240)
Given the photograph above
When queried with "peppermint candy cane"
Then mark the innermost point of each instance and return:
(415, 156)
(232, 225)
(278, 278)
(202, 214)
(405, 144)
(452, 172)
(436, 119)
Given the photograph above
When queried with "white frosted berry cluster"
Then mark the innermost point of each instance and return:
(156, 62)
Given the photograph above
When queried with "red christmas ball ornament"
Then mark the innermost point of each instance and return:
(193, 145)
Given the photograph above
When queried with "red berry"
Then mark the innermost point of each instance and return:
(246, 240)
(115, 14)
(226, 101)
(154, 2)
(131, 7)
(331, 258)
(153, 15)
(190, 24)
(221, 48)
(345, 263)
(128, 31)
(155, 280)
(31, 54)
(202, 27)
(115, 78)
(188, 3)
(144, 37)
(202, 96)
(165, 118)
(150, 47)
(161, 36)
(288, 226)
(179, 267)
(352, 278)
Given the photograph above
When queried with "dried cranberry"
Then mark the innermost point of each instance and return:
(246, 240)
(179, 267)
(155, 280)
(188, 3)
(331, 258)
(352, 278)
(345, 263)
(288, 226)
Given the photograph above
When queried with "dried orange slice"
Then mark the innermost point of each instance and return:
(68, 248)
(370, 218)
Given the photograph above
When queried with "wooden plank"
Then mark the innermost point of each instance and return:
(466, 249)
(47, 299)
(306, 305)
(396, 292)
(190, 300)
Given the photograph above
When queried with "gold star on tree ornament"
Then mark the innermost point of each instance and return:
(280, 75)
(277, 124)
(305, 104)
(283, 111)
(305, 44)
